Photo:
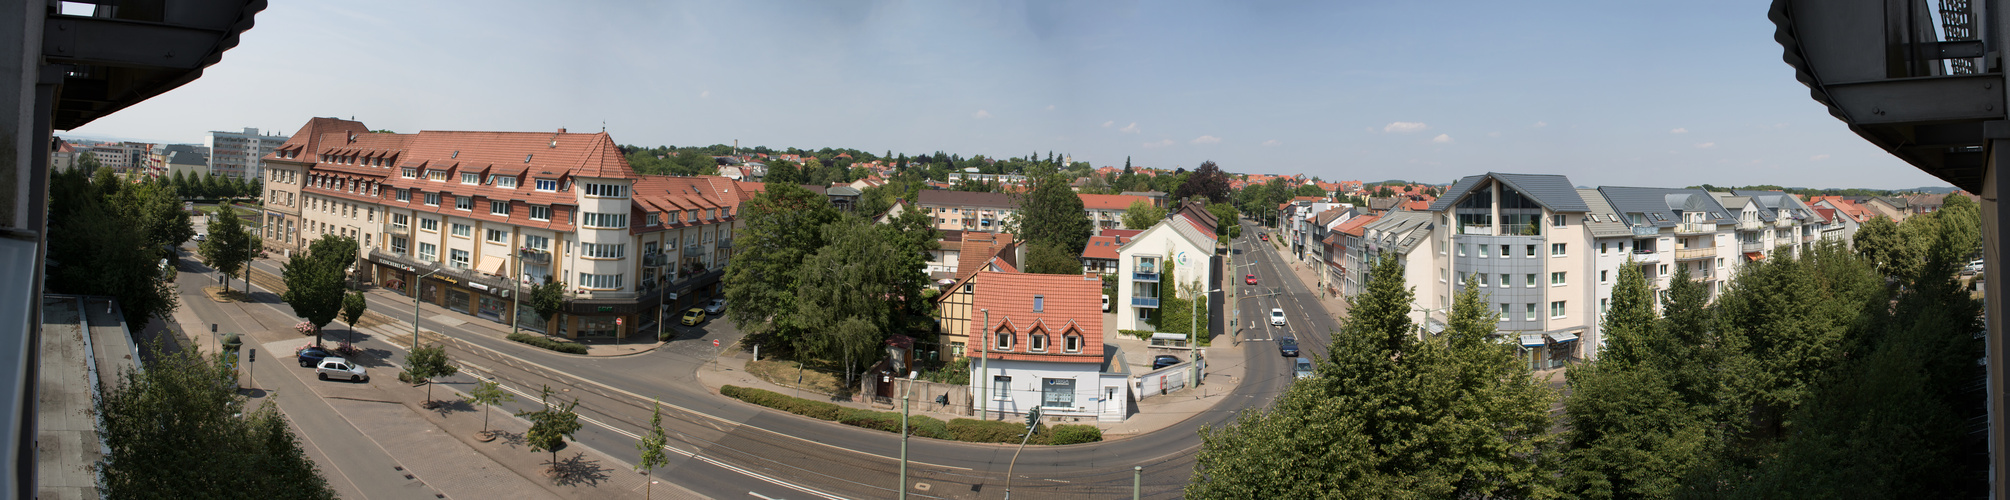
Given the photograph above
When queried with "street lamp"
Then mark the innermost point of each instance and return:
(417, 285)
(904, 397)
(983, 363)
(1193, 331)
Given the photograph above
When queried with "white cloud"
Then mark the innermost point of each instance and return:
(1160, 144)
(1404, 127)
(1050, 107)
(1818, 157)
(1679, 131)
(1206, 139)
(1273, 142)
(1541, 124)
(705, 94)
(981, 114)
(1705, 145)
(1129, 129)
(1493, 134)
(1442, 139)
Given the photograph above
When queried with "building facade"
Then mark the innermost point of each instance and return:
(1043, 348)
(1178, 239)
(240, 155)
(969, 211)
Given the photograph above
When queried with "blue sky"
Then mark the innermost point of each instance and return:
(1608, 93)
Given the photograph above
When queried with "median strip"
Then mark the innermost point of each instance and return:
(962, 429)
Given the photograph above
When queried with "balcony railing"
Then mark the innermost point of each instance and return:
(1696, 228)
(725, 244)
(1751, 246)
(1646, 230)
(1702, 276)
(1646, 257)
(1521, 229)
(534, 256)
(655, 260)
(1149, 277)
(1152, 302)
(1750, 225)
(1695, 253)
(405, 230)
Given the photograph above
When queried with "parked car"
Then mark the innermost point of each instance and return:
(1974, 266)
(1164, 360)
(199, 237)
(1250, 279)
(694, 316)
(1301, 367)
(1288, 346)
(338, 368)
(1263, 236)
(1106, 303)
(716, 306)
(310, 356)
(1276, 317)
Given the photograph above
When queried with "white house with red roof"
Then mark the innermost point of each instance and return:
(1043, 347)
(1179, 239)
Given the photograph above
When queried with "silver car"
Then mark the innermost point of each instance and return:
(1301, 367)
(341, 369)
(716, 306)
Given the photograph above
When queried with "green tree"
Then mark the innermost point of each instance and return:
(316, 280)
(551, 425)
(174, 430)
(651, 447)
(489, 394)
(1632, 434)
(1207, 181)
(95, 250)
(1046, 259)
(426, 363)
(860, 287)
(353, 305)
(156, 211)
(1879, 241)
(229, 246)
(1052, 214)
(1309, 189)
(1142, 215)
(783, 227)
(548, 300)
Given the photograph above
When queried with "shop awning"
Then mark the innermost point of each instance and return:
(1563, 337)
(1531, 340)
(1755, 256)
(493, 265)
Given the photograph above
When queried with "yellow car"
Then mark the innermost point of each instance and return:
(694, 316)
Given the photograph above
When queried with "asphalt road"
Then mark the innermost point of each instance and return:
(728, 449)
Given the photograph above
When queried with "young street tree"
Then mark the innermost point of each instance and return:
(206, 450)
(551, 426)
(651, 447)
(353, 306)
(228, 247)
(316, 280)
(426, 363)
(548, 300)
(488, 393)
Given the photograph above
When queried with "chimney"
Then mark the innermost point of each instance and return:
(561, 130)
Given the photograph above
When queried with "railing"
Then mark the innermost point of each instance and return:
(1646, 230)
(1521, 229)
(1751, 246)
(725, 244)
(405, 230)
(1696, 228)
(1702, 276)
(1476, 230)
(655, 260)
(1646, 257)
(1152, 302)
(534, 256)
(1148, 268)
(1151, 277)
(1750, 225)
(1695, 253)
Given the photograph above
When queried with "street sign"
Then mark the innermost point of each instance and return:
(715, 342)
(617, 321)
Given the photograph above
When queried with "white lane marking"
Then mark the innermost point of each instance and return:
(763, 497)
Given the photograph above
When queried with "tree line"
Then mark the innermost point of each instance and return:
(1821, 375)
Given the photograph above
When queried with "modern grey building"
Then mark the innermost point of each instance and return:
(238, 154)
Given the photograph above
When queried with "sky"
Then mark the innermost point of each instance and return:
(1607, 93)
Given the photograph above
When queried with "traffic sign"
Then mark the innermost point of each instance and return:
(617, 321)
(715, 342)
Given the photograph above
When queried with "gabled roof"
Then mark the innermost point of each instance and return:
(1067, 303)
(1601, 219)
(978, 248)
(1110, 201)
(1178, 223)
(1776, 204)
(1103, 247)
(1354, 226)
(1551, 191)
(1663, 207)
(940, 197)
(1399, 231)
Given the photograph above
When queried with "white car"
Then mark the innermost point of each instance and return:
(338, 368)
(716, 306)
(1276, 317)
(1106, 303)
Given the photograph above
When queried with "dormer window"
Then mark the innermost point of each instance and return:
(471, 178)
(434, 174)
(547, 185)
(503, 181)
(1037, 341)
(1003, 340)
(655, 218)
(411, 172)
(1071, 342)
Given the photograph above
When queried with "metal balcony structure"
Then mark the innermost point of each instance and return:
(1750, 225)
(1152, 302)
(1646, 257)
(1696, 228)
(1695, 253)
(1751, 246)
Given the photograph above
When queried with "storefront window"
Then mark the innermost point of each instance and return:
(596, 326)
(458, 300)
(528, 319)
(492, 308)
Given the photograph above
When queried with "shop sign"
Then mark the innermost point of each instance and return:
(478, 286)
(448, 279)
(408, 269)
(606, 308)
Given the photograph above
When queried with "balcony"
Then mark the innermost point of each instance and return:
(655, 260)
(534, 256)
(1695, 253)
(1146, 277)
(725, 244)
(1751, 246)
(1750, 225)
(1646, 231)
(1646, 257)
(1151, 302)
(1702, 277)
(1696, 228)
(398, 230)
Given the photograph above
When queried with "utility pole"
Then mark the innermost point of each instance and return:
(983, 363)
(904, 397)
(1032, 422)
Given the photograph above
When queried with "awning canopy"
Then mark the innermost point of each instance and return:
(1563, 337)
(1755, 256)
(1531, 340)
(493, 265)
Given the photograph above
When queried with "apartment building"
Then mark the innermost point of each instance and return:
(1106, 211)
(1348, 255)
(1181, 239)
(240, 155)
(968, 211)
(468, 220)
(1521, 237)
(1044, 348)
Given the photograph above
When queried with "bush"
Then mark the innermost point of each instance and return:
(986, 431)
(1073, 433)
(925, 426)
(564, 347)
(1145, 335)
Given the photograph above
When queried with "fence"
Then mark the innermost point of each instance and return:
(927, 396)
(1166, 380)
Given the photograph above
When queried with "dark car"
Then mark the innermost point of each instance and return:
(1288, 346)
(1164, 360)
(311, 356)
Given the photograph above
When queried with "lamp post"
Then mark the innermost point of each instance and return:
(417, 285)
(983, 364)
(1193, 332)
(904, 397)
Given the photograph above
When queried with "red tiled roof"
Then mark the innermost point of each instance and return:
(1068, 304)
(1827, 214)
(1103, 247)
(674, 196)
(1353, 226)
(1127, 234)
(978, 248)
(1110, 201)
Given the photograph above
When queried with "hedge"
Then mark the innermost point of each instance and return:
(565, 347)
(962, 429)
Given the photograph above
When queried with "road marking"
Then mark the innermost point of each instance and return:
(763, 497)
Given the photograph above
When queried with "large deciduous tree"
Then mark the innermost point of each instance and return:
(1052, 215)
(1142, 215)
(179, 430)
(783, 226)
(1047, 259)
(316, 280)
(95, 248)
(229, 246)
(1206, 181)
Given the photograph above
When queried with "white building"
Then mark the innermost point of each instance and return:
(1179, 239)
(240, 155)
(1043, 347)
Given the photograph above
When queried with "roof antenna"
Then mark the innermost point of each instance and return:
(603, 126)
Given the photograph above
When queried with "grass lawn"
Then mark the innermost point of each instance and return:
(783, 372)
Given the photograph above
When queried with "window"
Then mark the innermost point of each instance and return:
(411, 172)
(1057, 392)
(1506, 281)
(1556, 309)
(1483, 250)
(1622, 247)
(606, 190)
(464, 203)
(498, 236)
(1000, 386)
(1037, 341)
(1483, 279)
(432, 199)
(428, 252)
(1531, 312)
(608, 221)
(1039, 303)
(693, 215)
(1531, 251)
(1556, 249)
(503, 181)
(1002, 341)
(458, 258)
(1602, 275)
(463, 230)
(1529, 280)
(600, 281)
(1071, 342)
(1556, 278)
(547, 184)
(1462, 278)
(603, 250)
(398, 245)
(1504, 312)
(540, 212)
(1442, 274)
(1604, 305)
(1720, 262)
(1602, 247)
(436, 175)
(655, 218)
(536, 242)
(400, 221)
(471, 178)
(1556, 220)
(711, 214)
(405, 195)
(1462, 249)
(1664, 269)
(499, 208)
(432, 225)
(1505, 253)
